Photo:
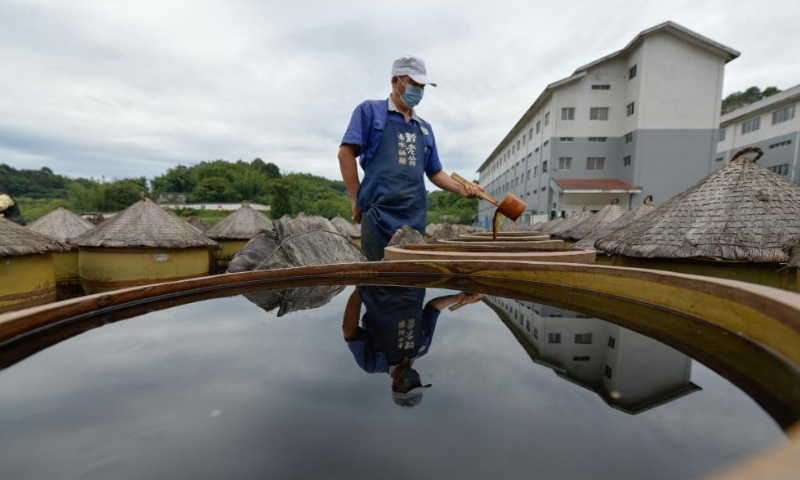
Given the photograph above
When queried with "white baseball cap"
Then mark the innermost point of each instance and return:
(412, 66)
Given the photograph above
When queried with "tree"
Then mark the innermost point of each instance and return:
(282, 192)
(740, 99)
(178, 179)
(215, 189)
(121, 194)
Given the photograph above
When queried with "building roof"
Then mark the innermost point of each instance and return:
(668, 26)
(742, 212)
(788, 95)
(144, 224)
(593, 185)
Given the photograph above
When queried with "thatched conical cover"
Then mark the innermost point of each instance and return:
(548, 226)
(346, 228)
(62, 225)
(198, 224)
(741, 212)
(144, 224)
(576, 218)
(18, 240)
(243, 224)
(606, 215)
(587, 243)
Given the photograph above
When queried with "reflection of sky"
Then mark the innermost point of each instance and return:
(222, 389)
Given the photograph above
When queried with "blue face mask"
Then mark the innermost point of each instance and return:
(413, 95)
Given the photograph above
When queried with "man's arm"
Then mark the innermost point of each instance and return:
(349, 168)
(442, 180)
(351, 313)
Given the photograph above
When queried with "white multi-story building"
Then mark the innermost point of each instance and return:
(640, 121)
(629, 371)
(772, 124)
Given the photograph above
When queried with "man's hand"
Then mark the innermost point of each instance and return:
(356, 212)
(466, 298)
(472, 190)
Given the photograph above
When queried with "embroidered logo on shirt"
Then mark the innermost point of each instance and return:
(407, 149)
(424, 130)
(405, 334)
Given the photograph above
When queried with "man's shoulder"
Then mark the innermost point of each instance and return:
(374, 106)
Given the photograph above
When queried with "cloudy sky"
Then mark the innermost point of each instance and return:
(121, 88)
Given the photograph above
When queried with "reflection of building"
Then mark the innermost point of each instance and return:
(631, 372)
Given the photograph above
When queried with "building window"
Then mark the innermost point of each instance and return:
(565, 163)
(546, 142)
(517, 144)
(781, 169)
(528, 325)
(523, 139)
(601, 87)
(751, 125)
(544, 166)
(553, 338)
(547, 119)
(780, 144)
(608, 372)
(513, 148)
(536, 150)
(597, 139)
(583, 338)
(611, 341)
(568, 113)
(595, 163)
(783, 115)
(721, 136)
(629, 109)
(536, 333)
(538, 126)
(565, 139)
(529, 176)
(632, 73)
(535, 171)
(598, 113)
(629, 137)
(626, 161)
(719, 159)
(582, 358)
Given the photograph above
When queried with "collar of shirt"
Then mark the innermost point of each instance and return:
(393, 108)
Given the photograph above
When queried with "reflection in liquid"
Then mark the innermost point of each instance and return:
(219, 389)
(631, 372)
(394, 332)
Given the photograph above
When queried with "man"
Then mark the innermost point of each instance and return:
(396, 147)
(394, 332)
(10, 210)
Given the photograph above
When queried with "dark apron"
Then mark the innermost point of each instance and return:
(393, 320)
(393, 191)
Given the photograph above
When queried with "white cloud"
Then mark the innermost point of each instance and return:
(131, 88)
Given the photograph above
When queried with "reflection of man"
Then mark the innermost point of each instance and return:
(395, 331)
(10, 210)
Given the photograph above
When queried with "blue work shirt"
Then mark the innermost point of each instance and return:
(366, 129)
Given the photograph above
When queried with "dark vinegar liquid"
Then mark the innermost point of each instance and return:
(495, 225)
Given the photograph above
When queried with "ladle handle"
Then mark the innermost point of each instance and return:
(463, 181)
